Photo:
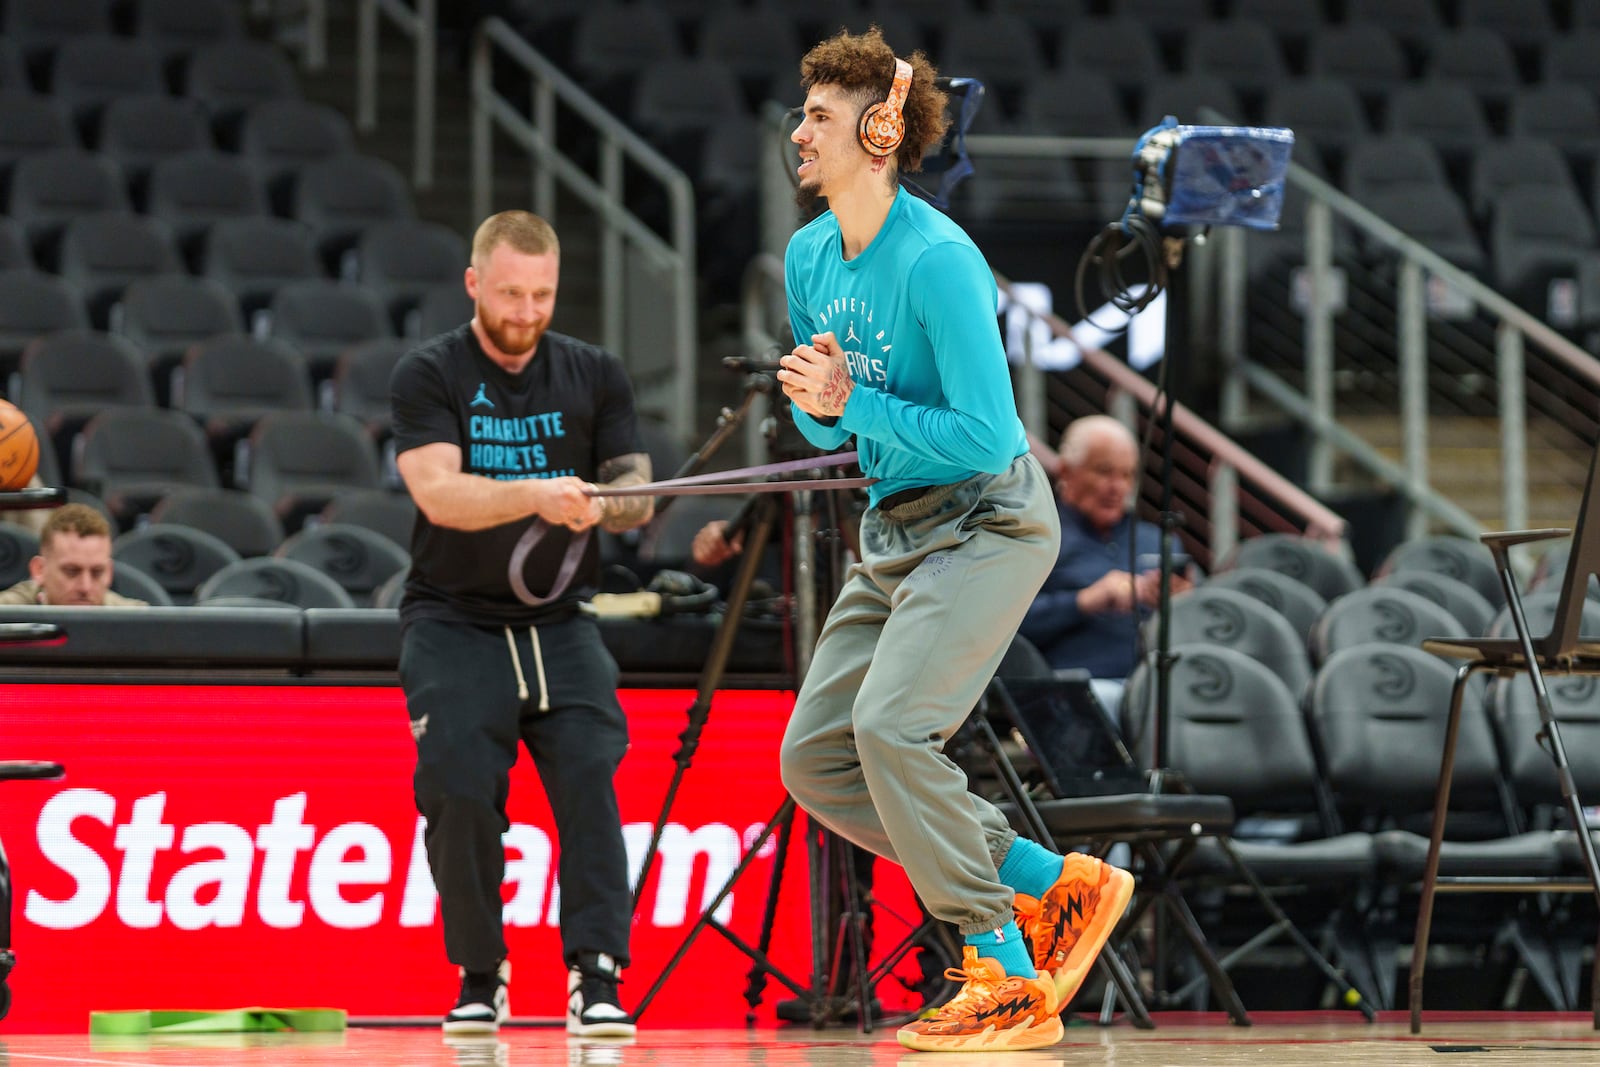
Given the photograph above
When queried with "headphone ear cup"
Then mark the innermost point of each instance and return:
(882, 129)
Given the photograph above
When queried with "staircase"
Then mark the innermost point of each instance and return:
(1464, 465)
(450, 200)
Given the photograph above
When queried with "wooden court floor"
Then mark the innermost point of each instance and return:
(1180, 1040)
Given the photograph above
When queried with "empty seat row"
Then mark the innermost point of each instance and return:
(335, 198)
(118, 273)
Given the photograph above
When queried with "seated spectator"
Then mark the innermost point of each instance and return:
(73, 566)
(1088, 612)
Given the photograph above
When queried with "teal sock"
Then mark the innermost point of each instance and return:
(1030, 868)
(1006, 947)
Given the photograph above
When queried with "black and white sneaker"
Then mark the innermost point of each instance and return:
(592, 1006)
(484, 1003)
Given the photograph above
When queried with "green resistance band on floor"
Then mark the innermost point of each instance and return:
(237, 1021)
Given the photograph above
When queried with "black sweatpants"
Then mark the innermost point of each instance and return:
(461, 684)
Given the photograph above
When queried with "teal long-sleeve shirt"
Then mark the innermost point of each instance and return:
(914, 314)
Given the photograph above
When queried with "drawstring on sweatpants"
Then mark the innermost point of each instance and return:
(538, 667)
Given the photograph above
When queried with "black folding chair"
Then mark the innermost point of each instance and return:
(1560, 652)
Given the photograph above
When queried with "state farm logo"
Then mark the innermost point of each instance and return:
(349, 870)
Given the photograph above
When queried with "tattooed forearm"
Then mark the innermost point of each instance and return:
(625, 512)
(835, 390)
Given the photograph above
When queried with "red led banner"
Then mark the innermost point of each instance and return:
(235, 846)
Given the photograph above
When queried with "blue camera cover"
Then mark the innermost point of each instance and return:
(1227, 176)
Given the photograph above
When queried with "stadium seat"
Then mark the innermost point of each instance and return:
(1476, 57)
(1123, 50)
(137, 132)
(361, 382)
(383, 511)
(1391, 160)
(1377, 713)
(179, 558)
(50, 189)
(1300, 558)
(231, 382)
(998, 49)
(1502, 165)
(279, 137)
(38, 27)
(1446, 114)
(359, 559)
(1464, 603)
(102, 254)
(230, 77)
(1327, 110)
(1413, 21)
(254, 257)
(402, 260)
(1561, 113)
(1243, 53)
(69, 377)
(270, 578)
(33, 303)
(1074, 103)
(88, 73)
(1432, 215)
(129, 581)
(1214, 615)
(30, 125)
(163, 316)
(1364, 56)
(442, 308)
(753, 41)
(341, 196)
(299, 461)
(1298, 603)
(1183, 95)
(320, 318)
(673, 98)
(1520, 22)
(1538, 233)
(193, 191)
(242, 522)
(18, 546)
(1385, 613)
(1461, 558)
(178, 27)
(132, 458)
(1568, 60)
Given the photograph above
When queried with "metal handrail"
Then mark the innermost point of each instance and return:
(616, 144)
(422, 26)
(1321, 522)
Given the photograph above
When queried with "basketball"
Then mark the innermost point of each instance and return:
(19, 447)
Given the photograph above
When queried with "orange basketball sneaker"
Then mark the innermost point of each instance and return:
(1072, 922)
(989, 1012)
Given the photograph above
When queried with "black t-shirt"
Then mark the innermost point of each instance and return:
(568, 411)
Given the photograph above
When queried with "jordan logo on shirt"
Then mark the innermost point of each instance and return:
(480, 400)
(864, 368)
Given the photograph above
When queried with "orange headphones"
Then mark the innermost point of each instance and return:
(883, 125)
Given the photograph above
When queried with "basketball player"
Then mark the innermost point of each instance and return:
(497, 422)
(961, 532)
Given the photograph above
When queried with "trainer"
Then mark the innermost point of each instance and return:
(497, 423)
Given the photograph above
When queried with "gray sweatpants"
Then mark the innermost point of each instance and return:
(908, 648)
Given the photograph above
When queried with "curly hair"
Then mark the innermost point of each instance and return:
(863, 66)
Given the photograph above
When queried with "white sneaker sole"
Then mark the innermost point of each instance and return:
(472, 1026)
(609, 1028)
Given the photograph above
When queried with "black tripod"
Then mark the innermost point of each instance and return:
(829, 865)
